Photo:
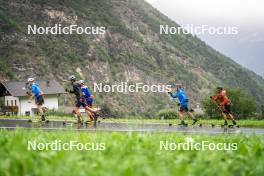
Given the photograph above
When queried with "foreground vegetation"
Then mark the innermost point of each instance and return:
(128, 154)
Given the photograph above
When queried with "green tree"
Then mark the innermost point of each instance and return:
(243, 105)
(262, 111)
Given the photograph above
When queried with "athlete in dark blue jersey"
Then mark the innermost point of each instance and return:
(87, 95)
(87, 98)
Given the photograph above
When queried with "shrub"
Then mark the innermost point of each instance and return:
(167, 114)
(58, 113)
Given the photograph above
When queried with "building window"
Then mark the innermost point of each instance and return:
(15, 103)
(11, 102)
(7, 103)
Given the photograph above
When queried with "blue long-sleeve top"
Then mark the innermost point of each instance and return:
(180, 94)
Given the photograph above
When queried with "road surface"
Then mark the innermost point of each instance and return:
(123, 127)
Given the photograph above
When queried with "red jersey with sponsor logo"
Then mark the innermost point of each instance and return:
(222, 98)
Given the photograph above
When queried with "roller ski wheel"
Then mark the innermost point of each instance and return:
(88, 122)
(183, 125)
(230, 126)
(233, 126)
(47, 121)
(223, 126)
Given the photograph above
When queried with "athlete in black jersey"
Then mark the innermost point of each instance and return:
(76, 90)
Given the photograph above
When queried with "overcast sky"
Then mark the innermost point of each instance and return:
(247, 15)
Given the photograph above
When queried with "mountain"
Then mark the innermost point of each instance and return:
(130, 50)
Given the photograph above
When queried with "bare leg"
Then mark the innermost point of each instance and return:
(77, 114)
(232, 118)
(92, 110)
(225, 117)
(193, 117)
(181, 117)
(89, 114)
(41, 112)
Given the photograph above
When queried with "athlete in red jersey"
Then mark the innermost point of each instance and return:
(225, 104)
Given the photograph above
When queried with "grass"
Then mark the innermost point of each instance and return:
(242, 123)
(128, 154)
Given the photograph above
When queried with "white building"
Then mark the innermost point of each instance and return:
(16, 97)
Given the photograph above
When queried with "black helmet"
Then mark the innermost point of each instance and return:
(72, 78)
(219, 88)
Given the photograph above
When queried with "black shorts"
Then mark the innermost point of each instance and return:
(90, 103)
(184, 109)
(79, 103)
(227, 109)
(39, 100)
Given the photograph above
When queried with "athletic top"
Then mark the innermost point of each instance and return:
(180, 94)
(222, 98)
(35, 90)
(86, 93)
(76, 90)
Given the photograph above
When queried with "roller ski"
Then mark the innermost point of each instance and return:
(226, 125)
(183, 124)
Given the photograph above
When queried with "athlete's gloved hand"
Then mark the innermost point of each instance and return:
(211, 97)
(67, 90)
(169, 93)
(179, 104)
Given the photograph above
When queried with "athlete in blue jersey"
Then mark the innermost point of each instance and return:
(87, 99)
(183, 103)
(87, 95)
(38, 95)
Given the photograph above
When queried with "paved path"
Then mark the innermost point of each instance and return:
(124, 127)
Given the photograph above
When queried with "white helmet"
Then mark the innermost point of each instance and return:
(31, 79)
(81, 82)
(72, 78)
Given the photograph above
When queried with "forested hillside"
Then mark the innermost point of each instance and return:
(131, 50)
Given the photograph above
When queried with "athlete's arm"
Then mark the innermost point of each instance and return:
(173, 95)
(33, 93)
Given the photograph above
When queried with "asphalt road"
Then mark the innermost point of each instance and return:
(123, 127)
